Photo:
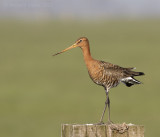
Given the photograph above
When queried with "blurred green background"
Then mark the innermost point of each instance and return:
(39, 92)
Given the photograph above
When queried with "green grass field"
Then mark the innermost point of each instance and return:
(39, 92)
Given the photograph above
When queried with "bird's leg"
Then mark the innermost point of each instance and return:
(109, 120)
(101, 120)
(106, 103)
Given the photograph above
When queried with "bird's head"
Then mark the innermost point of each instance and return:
(81, 42)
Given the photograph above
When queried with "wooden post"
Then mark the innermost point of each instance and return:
(104, 130)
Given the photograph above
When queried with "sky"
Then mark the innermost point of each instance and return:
(80, 8)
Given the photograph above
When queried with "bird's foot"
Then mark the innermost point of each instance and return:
(109, 122)
(100, 123)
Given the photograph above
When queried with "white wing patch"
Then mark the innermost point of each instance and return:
(130, 79)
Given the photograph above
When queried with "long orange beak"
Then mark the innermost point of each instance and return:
(73, 46)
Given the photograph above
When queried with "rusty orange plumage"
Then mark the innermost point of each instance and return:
(104, 73)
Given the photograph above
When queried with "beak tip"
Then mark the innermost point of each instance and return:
(56, 54)
(73, 46)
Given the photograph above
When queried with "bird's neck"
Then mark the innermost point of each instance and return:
(87, 55)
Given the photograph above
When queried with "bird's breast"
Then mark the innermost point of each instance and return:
(96, 73)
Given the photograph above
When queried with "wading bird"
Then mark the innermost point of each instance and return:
(103, 73)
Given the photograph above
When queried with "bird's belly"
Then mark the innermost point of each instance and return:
(103, 79)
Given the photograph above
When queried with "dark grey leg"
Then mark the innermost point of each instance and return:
(107, 102)
(109, 120)
(101, 120)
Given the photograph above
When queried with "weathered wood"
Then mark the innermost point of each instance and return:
(104, 130)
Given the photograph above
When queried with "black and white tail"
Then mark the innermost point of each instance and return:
(129, 81)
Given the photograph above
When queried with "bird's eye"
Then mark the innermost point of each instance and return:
(80, 41)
